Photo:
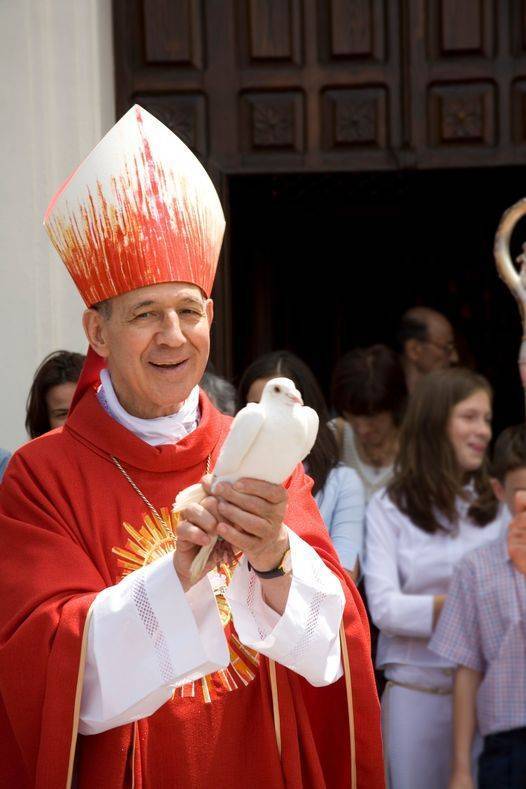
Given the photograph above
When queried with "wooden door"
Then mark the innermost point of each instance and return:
(466, 82)
(309, 86)
(259, 85)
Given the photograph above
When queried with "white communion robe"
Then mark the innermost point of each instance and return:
(117, 691)
(405, 567)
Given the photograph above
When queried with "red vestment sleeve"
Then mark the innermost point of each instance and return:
(47, 586)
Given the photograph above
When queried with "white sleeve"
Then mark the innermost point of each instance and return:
(347, 524)
(392, 611)
(146, 637)
(305, 638)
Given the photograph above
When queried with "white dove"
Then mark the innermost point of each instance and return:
(266, 441)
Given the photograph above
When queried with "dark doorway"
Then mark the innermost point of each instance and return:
(322, 263)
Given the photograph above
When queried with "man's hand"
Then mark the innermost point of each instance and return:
(517, 533)
(196, 527)
(250, 519)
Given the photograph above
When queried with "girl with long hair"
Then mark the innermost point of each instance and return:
(337, 489)
(52, 391)
(438, 506)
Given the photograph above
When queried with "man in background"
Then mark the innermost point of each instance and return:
(426, 342)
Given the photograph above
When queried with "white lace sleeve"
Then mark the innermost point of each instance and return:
(306, 637)
(146, 636)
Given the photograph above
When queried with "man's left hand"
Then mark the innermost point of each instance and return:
(252, 513)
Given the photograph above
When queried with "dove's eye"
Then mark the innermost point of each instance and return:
(277, 389)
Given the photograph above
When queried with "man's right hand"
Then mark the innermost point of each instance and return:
(197, 525)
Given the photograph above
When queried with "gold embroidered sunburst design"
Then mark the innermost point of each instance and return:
(154, 540)
(158, 537)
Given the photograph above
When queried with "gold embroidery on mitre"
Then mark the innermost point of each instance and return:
(158, 537)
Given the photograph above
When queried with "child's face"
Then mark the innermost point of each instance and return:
(513, 482)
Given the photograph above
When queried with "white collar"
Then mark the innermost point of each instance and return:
(161, 430)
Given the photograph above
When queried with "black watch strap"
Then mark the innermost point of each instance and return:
(282, 568)
(277, 572)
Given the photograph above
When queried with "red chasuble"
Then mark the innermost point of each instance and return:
(63, 505)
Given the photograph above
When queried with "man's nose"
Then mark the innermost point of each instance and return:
(453, 356)
(171, 332)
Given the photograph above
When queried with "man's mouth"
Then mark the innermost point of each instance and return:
(168, 365)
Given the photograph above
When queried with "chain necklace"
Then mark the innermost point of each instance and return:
(141, 494)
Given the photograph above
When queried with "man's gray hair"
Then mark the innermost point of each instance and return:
(104, 308)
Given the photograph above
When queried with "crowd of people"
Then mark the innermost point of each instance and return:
(419, 516)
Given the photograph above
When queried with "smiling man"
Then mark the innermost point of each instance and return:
(159, 340)
(117, 667)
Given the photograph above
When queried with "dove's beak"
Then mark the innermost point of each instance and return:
(296, 398)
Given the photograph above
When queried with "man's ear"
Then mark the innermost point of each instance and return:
(94, 328)
(209, 308)
(412, 350)
(498, 489)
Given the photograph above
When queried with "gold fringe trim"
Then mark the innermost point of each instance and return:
(78, 697)
(275, 703)
(350, 705)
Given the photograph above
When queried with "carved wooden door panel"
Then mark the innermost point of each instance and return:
(259, 85)
(269, 86)
(265, 86)
(466, 82)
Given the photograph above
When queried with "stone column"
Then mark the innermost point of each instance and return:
(57, 101)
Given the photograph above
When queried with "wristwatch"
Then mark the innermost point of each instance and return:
(284, 567)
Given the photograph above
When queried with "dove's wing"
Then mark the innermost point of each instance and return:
(243, 432)
(311, 422)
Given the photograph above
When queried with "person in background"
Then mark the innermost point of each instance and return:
(337, 489)
(426, 342)
(4, 460)
(52, 391)
(439, 505)
(369, 393)
(482, 629)
(220, 391)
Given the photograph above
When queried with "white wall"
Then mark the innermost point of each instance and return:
(57, 101)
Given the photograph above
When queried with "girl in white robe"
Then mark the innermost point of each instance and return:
(438, 506)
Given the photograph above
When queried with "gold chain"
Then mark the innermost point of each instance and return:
(139, 491)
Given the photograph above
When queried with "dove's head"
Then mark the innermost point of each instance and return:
(281, 390)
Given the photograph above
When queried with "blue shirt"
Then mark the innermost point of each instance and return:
(341, 502)
(4, 460)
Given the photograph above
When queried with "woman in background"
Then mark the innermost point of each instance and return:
(52, 391)
(369, 393)
(438, 506)
(337, 489)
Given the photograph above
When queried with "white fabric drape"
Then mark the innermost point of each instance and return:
(146, 636)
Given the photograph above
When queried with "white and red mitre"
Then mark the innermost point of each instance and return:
(140, 210)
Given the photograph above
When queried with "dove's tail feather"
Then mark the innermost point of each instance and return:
(192, 495)
(199, 563)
